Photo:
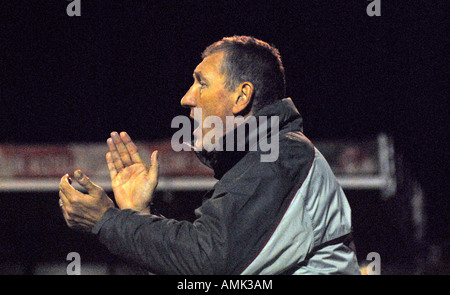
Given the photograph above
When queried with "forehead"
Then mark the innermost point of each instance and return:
(211, 64)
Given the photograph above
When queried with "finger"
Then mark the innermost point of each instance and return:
(84, 181)
(63, 204)
(131, 147)
(65, 186)
(154, 167)
(63, 200)
(114, 154)
(123, 151)
(111, 166)
(66, 217)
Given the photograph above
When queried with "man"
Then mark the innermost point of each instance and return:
(286, 216)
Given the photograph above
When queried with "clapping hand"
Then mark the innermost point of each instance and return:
(132, 182)
(82, 211)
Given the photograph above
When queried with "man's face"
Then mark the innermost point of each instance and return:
(209, 93)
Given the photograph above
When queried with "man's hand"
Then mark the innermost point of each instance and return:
(132, 183)
(82, 211)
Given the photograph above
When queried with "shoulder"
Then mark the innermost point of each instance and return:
(295, 145)
(296, 153)
(291, 157)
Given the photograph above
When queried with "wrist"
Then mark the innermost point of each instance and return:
(142, 208)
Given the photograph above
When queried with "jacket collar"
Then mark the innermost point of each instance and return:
(222, 161)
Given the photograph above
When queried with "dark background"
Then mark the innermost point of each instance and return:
(124, 65)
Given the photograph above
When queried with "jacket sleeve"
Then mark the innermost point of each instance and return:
(162, 245)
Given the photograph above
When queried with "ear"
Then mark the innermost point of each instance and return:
(244, 98)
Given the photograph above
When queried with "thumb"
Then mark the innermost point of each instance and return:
(154, 167)
(84, 181)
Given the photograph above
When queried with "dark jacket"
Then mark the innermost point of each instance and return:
(289, 216)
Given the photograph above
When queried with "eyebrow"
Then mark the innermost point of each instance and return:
(199, 76)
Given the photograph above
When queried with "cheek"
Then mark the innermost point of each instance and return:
(215, 103)
(207, 103)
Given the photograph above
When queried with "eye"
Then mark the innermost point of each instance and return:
(202, 84)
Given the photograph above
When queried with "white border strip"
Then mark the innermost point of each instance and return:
(171, 184)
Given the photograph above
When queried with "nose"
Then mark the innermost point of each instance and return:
(189, 99)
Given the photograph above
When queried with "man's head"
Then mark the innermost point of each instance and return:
(248, 59)
(238, 76)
